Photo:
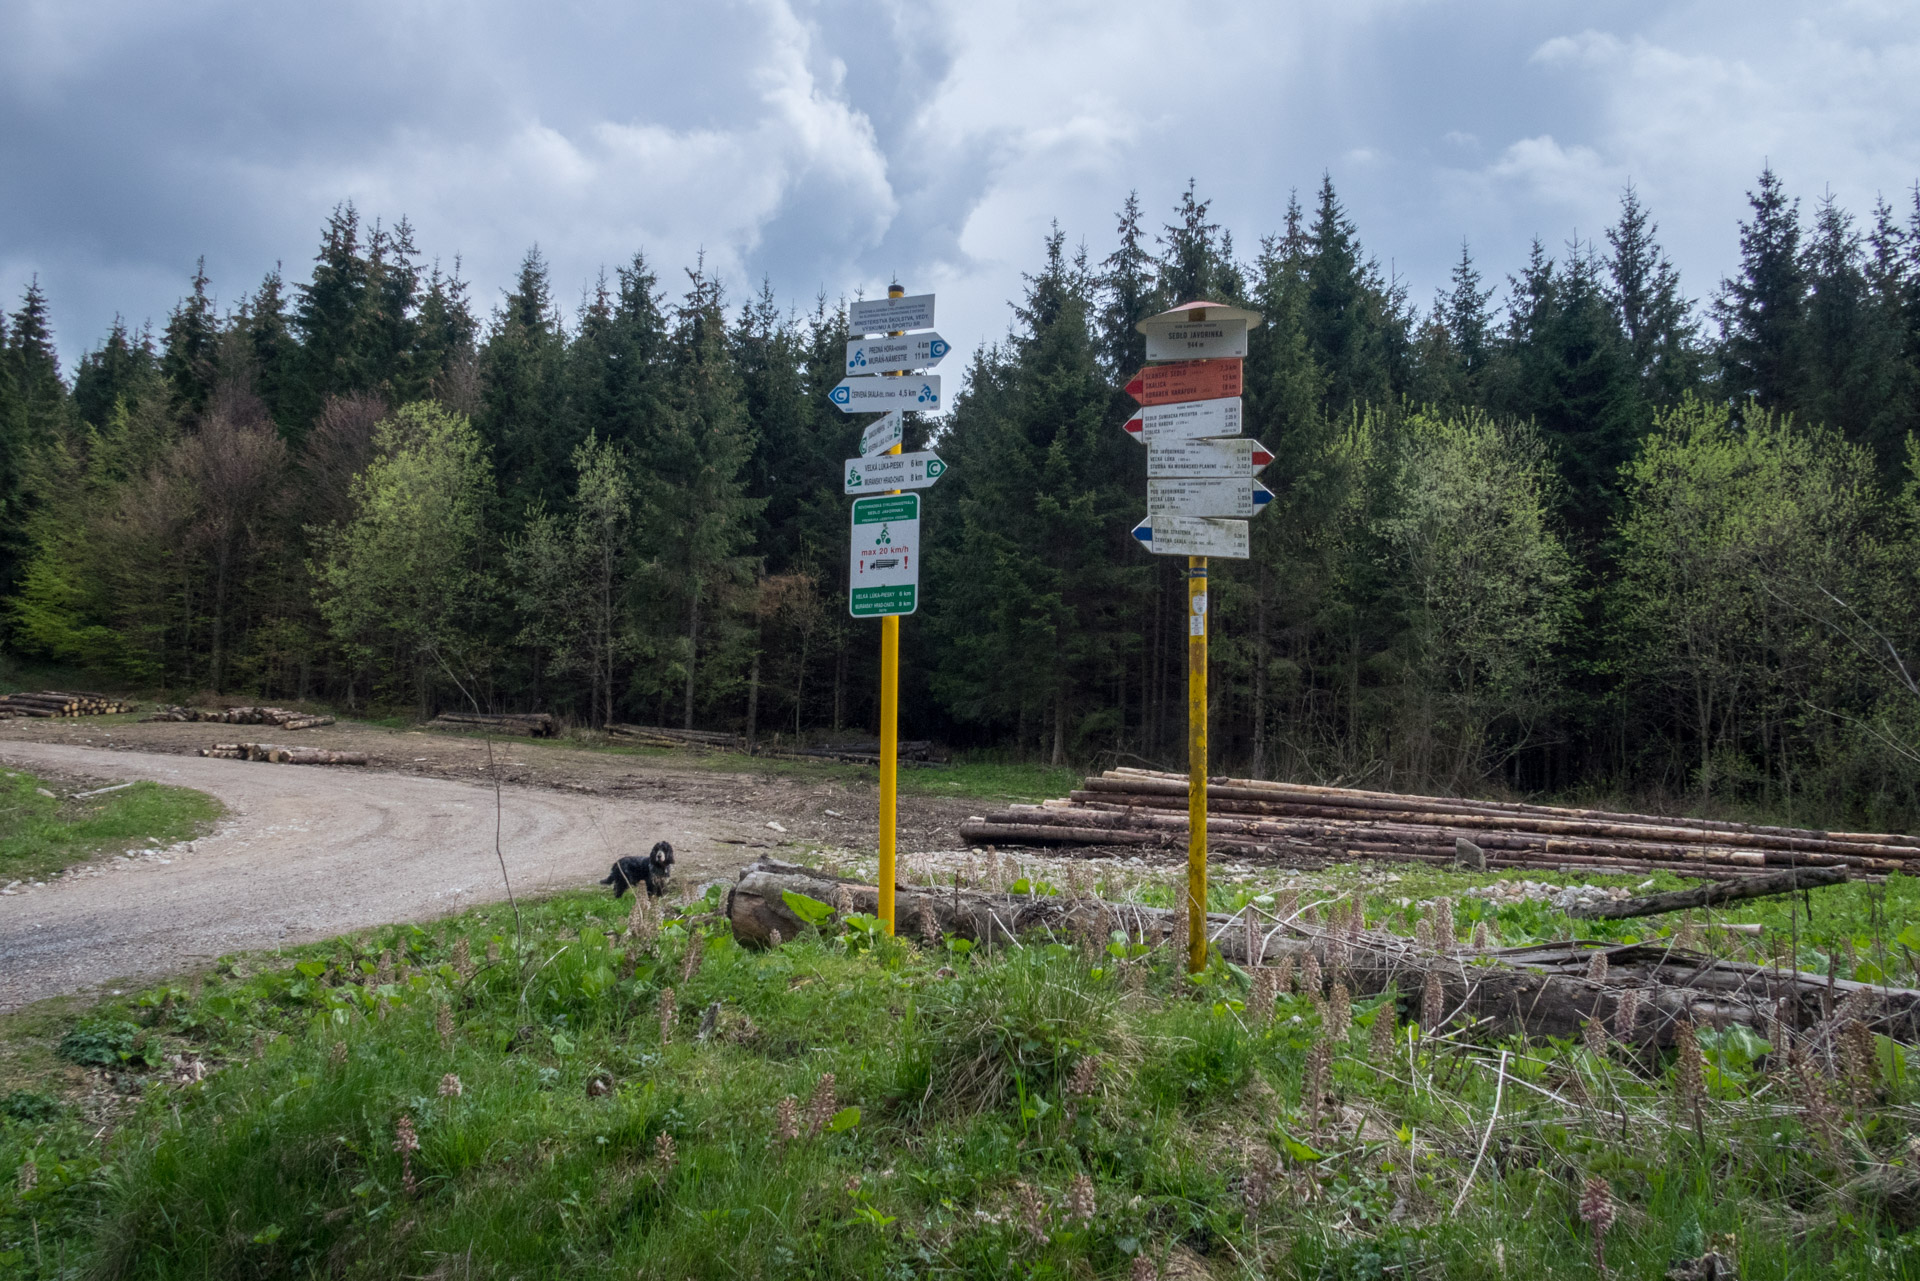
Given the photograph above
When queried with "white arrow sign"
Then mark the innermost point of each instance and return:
(1188, 419)
(1194, 536)
(873, 395)
(1182, 340)
(887, 315)
(910, 351)
(1229, 459)
(893, 471)
(1188, 496)
(882, 434)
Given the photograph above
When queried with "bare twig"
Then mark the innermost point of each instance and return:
(1499, 1089)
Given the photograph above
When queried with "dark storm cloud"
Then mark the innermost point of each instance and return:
(831, 146)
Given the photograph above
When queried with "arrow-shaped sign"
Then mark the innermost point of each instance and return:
(882, 355)
(887, 315)
(882, 434)
(873, 395)
(1191, 496)
(1194, 536)
(1185, 380)
(893, 471)
(1188, 419)
(1229, 459)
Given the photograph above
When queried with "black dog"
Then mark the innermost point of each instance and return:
(651, 871)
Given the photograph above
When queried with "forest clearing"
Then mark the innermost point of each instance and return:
(1039, 1099)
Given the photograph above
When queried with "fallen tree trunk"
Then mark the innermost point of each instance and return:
(1788, 882)
(1537, 991)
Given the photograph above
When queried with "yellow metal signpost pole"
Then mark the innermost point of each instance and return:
(889, 731)
(1196, 763)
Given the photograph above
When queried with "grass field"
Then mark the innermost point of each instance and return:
(42, 830)
(490, 1100)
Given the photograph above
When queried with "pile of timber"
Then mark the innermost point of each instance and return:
(531, 724)
(54, 702)
(1255, 818)
(1542, 990)
(661, 736)
(283, 755)
(913, 752)
(917, 751)
(278, 717)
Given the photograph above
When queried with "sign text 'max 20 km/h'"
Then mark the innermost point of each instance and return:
(883, 572)
(894, 471)
(885, 355)
(1229, 459)
(886, 315)
(875, 394)
(883, 433)
(1187, 419)
(1185, 380)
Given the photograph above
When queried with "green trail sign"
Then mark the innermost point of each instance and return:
(883, 572)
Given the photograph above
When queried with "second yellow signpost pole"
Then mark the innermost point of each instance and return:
(1196, 763)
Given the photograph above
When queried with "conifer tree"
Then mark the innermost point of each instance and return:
(1128, 294)
(1656, 320)
(275, 353)
(522, 417)
(189, 355)
(1565, 368)
(1762, 311)
(121, 366)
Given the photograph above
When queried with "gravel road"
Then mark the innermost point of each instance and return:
(308, 853)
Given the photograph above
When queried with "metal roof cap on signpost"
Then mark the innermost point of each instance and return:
(1200, 311)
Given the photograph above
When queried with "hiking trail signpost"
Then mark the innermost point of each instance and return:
(1200, 489)
(885, 365)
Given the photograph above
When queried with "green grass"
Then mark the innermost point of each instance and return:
(282, 1163)
(40, 834)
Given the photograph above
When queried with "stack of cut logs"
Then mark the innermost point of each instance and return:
(1254, 818)
(532, 724)
(283, 755)
(868, 753)
(278, 717)
(53, 702)
(662, 736)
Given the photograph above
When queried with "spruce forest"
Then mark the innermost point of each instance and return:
(1578, 527)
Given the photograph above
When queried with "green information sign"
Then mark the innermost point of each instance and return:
(883, 571)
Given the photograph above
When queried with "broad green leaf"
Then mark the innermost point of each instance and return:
(810, 910)
(844, 1119)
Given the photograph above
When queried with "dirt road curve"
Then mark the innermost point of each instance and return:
(306, 853)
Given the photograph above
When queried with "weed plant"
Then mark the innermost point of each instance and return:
(442, 1101)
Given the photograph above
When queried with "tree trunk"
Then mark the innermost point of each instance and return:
(1060, 728)
(753, 698)
(1791, 881)
(693, 649)
(1535, 991)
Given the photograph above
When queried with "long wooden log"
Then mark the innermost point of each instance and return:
(1150, 818)
(1787, 882)
(1239, 800)
(1356, 796)
(1166, 819)
(1443, 832)
(1539, 991)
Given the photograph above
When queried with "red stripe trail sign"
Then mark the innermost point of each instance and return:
(1199, 480)
(1185, 380)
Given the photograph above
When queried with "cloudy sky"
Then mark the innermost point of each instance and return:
(832, 145)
